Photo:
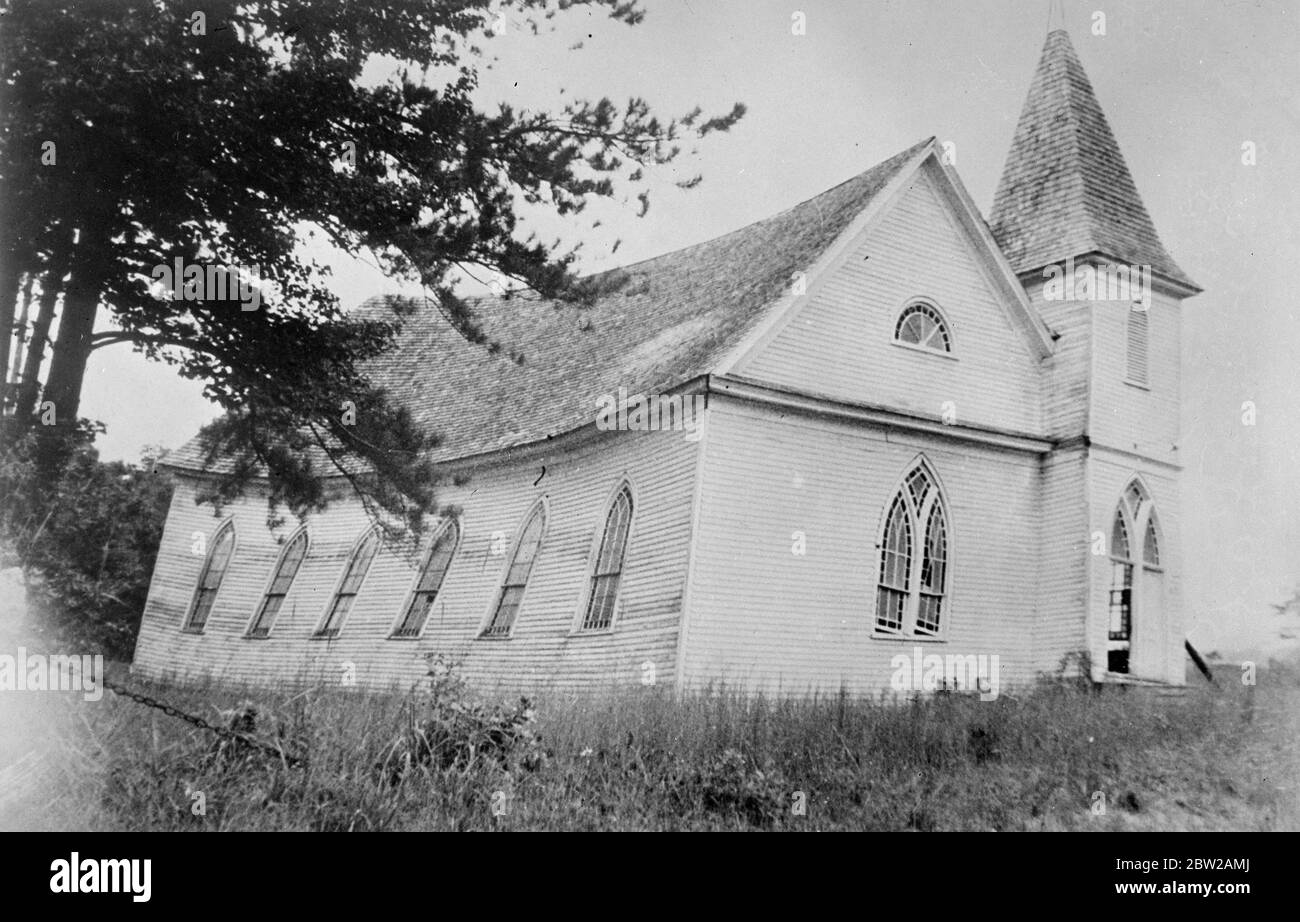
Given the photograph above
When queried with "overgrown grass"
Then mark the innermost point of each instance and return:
(644, 759)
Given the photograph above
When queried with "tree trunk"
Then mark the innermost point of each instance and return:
(10, 284)
(62, 392)
(30, 387)
(19, 340)
(72, 350)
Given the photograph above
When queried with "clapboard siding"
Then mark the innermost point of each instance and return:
(1064, 548)
(762, 617)
(841, 343)
(1085, 387)
(1109, 475)
(1066, 373)
(1129, 418)
(544, 651)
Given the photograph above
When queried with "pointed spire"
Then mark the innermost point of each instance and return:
(1066, 190)
(1056, 17)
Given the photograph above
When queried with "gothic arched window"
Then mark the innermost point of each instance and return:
(353, 576)
(436, 564)
(915, 558)
(286, 569)
(515, 582)
(214, 571)
(1121, 579)
(608, 570)
(1135, 595)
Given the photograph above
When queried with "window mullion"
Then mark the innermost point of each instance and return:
(912, 608)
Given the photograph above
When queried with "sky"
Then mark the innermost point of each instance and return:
(1185, 85)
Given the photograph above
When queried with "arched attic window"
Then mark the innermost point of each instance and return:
(922, 325)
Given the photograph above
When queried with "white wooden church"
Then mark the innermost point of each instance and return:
(884, 427)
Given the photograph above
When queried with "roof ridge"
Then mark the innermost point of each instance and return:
(901, 157)
(904, 154)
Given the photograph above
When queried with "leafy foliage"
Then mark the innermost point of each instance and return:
(460, 733)
(236, 139)
(88, 548)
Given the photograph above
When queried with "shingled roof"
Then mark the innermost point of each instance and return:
(674, 320)
(1066, 190)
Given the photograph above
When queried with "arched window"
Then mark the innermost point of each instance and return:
(214, 570)
(285, 570)
(608, 569)
(1134, 497)
(516, 579)
(913, 586)
(895, 569)
(1135, 602)
(934, 572)
(1151, 545)
(922, 325)
(1121, 584)
(436, 563)
(353, 576)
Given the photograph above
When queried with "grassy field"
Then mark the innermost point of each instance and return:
(1057, 757)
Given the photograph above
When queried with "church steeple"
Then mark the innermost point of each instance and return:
(1056, 16)
(1066, 190)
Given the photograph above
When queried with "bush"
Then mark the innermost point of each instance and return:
(86, 545)
(732, 784)
(462, 734)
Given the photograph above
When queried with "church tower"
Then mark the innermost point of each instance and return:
(1069, 218)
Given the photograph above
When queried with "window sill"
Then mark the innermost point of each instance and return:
(909, 638)
(196, 631)
(1138, 385)
(911, 347)
(333, 636)
(592, 632)
(404, 637)
(494, 637)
